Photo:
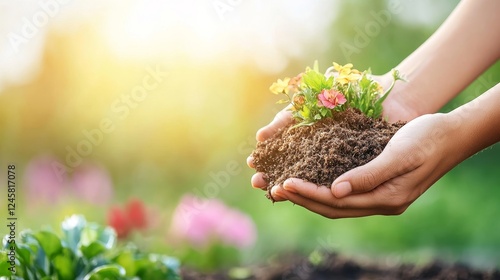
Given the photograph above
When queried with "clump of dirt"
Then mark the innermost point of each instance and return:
(321, 152)
(334, 266)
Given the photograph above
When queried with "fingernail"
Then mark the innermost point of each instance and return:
(250, 161)
(288, 185)
(278, 194)
(342, 189)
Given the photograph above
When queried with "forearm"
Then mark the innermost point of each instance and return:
(476, 124)
(465, 45)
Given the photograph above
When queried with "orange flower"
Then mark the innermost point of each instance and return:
(294, 83)
(298, 101)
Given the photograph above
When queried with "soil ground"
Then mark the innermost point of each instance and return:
(321, 152)
(336, 267)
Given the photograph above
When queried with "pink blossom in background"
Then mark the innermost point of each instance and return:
(237, 229)
(43, 183)
(202, 221)
(92, 183)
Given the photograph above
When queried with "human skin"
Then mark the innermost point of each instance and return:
(428, 146)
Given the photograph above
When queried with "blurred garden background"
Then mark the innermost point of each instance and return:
(122, 111)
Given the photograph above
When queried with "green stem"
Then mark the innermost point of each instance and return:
(396, 76)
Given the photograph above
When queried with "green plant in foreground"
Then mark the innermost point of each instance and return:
(314, 95)
(85, 251)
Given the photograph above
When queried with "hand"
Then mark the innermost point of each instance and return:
(283, 118)
(418, 155)
(394, 110)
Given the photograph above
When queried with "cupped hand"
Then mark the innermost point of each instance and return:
(418, 155)
(283, 118)
(394, 110)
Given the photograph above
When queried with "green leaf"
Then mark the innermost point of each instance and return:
(24, 253)
(90, 234)
(92, 250)
(72, 229)
(95, 233)
(305, 112)
(329, 83)
(316, 66)
(4, 264)
(155, 266)
(126, 260)
(106, 272)
(64, 266)
(49, 242)
(314, 80)
(364, 82)
(96, 239)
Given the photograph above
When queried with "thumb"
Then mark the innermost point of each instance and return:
(281, 119)
(384, 167)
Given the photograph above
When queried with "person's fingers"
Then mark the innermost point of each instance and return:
(281, 119)
(330, 212)
(323, 195)
(258, 181)
(388, 198)
(278, 194)
(392, 162)
(310, 190)
(250, 162)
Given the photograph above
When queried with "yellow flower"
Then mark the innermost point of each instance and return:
(380, 89)
(344, 79)
(280, 86)
(355, 71)
(346, 69)
(346, 73)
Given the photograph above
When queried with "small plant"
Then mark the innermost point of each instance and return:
(85, 251)
(314, 95)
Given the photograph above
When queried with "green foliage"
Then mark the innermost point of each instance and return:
(316, 81)
(211, 258)
(85, 251)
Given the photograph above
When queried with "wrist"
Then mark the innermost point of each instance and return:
(457, 132)
(477, 122)
(399, 105)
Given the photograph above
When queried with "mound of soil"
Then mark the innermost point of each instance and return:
(321, 152)
(334, 266)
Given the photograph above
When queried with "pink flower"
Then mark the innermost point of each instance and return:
(201, 222)
(93, 184)
(43, 182)
(331, 98)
